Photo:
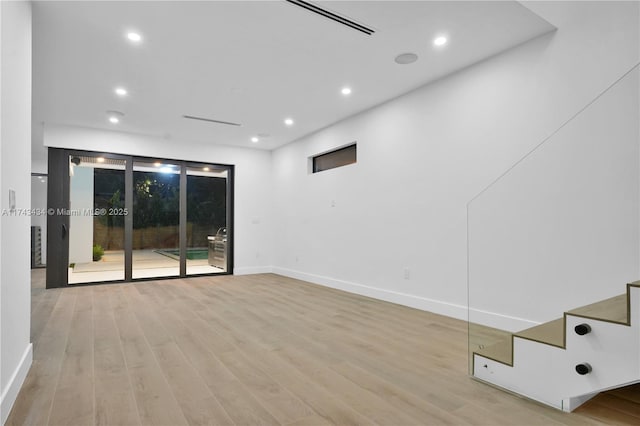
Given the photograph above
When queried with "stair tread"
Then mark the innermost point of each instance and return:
(501, 351)
(614, 309)
(551, 333)
(623, 405)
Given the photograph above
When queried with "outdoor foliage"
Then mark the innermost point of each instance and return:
(156, 205)
(98, 252)
(156, 199)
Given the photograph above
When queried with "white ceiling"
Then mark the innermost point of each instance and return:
(253, 63)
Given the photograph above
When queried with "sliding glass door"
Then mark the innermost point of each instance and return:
(123, 218)
(96, 218)
(156, 219)
(206, 220)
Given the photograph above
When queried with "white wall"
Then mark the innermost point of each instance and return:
(253, 219)
(561, 230)
(423, 156)
(15, 166)
(38, 164)
(80, 223)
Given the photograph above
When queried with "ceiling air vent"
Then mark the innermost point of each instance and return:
(334, 17)
(210, 120)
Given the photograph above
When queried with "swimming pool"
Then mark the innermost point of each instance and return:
(192, 253)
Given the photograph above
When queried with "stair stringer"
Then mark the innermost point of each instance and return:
(546, 373)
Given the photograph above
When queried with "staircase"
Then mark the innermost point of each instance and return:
(565, 362)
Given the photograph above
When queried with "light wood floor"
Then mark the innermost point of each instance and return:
(260, 349)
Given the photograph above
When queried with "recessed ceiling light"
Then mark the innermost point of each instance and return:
(114, 116)
(134, 37)
(288, 121)
(254, 139)
(121, 91)
(100, 159)
(346, 91)
(157, 164)
(406, 58)
(440, 41)
(206, 169)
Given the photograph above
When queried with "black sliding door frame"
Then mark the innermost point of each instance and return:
(128, 221)
(183, 220)
(57, 224)
(58, 200)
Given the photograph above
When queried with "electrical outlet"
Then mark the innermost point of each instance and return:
(407, 273)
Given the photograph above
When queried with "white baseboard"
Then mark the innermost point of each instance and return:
(252, 270)
(417, 302)
(490, 319)
(499, 321)
(10, 394)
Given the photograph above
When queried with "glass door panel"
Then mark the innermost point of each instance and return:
(123, 218)
(96, 219)
(207, 246)
(156, 220)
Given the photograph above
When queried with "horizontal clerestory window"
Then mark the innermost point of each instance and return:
(336, 158)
